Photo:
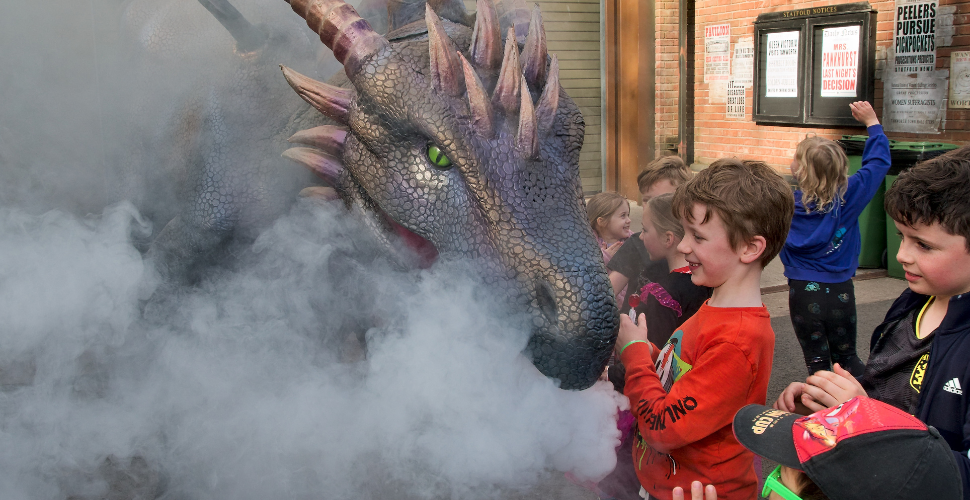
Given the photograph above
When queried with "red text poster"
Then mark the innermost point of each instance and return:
(717, 53)
(840, 61)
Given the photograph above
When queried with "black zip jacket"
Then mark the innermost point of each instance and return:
(942, 401)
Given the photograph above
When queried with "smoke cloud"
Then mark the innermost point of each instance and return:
(238, 389)
(255, 383)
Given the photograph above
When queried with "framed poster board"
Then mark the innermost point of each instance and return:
(811, 63)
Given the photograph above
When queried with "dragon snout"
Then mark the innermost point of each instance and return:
(574, 325)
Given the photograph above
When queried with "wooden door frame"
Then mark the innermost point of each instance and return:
(630, 87)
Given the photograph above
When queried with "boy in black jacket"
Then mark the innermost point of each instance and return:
(918, 360)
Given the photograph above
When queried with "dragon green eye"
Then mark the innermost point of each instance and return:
(437, 157)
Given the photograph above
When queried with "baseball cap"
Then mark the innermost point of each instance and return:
(860, 449)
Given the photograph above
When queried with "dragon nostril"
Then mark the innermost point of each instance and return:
(546, 298)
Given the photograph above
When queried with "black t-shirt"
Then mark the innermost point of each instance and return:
(633, 261)
(668, 302)
(897, 364)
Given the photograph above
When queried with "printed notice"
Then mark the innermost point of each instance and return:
(781, 65)
(735, 100)
(717, 53)
(840, 61)
(915, 103)
(960, 80)
(742, 67)
(914, 36)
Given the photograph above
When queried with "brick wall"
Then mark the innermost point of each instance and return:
(716, 136)
(667, 50)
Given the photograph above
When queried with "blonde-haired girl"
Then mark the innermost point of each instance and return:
(821, 253)
(609, 216)
(673, 298)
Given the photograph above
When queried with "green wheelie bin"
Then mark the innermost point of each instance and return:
(905, 155)
(872, 221)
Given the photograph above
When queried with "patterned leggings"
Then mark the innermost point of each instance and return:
(824, 318)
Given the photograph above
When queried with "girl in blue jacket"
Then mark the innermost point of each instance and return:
(821, 253)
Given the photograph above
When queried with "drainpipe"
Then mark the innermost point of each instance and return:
(685, 101)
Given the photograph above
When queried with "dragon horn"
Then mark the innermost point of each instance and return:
(329, 100)
(549, 101)
(329, 169)
(534, 52)
(328, 138)
(248, 37)
(478, 103)
(486, 47)
(527, 138)
(506, 94)
(446, 71)
(341, 29)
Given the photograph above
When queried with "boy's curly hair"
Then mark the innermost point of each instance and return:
(749, 197)
(822, 173)
(670, 168)
(936, 190)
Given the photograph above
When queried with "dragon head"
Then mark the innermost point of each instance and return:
(465, 145)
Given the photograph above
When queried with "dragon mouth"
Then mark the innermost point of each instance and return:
(424, 251)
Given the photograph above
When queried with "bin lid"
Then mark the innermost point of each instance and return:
(853, 145)
(906, 154)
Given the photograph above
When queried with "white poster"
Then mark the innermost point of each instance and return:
(735, 101)
(840, 61)
(781, 65)
(914, 36)
(960, 80)
(717, 53)
(742, 67)
(915, 103)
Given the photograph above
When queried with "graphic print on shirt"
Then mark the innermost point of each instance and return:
(670, 367)
(919, 372)
(836, 241)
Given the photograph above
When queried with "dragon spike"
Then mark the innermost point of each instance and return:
(486, 47)
(527, 138)
(534, 52)
(478, 104)
(328, 168)
(327, 138)
(341, 29)
(549, 101)
(329, 100)
(507, 89)
(446, 71)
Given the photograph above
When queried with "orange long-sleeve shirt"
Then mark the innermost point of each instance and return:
(717, 362)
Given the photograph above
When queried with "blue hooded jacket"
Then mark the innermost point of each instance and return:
(824, 246)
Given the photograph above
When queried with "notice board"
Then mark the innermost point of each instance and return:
(811, 63)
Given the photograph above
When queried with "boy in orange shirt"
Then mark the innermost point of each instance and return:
(736, 217)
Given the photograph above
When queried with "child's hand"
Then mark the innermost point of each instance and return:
(611, 249)
(862, 111)
(790, 399)
(697, 492)
(630, 332)
(833, 388)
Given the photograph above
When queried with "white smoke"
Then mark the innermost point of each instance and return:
(234, 392)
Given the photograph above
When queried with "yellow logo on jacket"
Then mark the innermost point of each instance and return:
(919, 372)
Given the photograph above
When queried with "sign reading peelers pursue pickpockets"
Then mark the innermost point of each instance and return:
(914, 36)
